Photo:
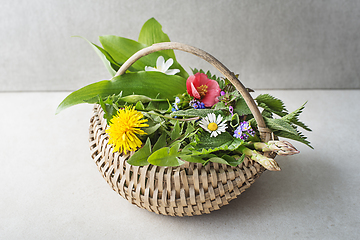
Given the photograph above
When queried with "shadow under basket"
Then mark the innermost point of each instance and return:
(187, 190)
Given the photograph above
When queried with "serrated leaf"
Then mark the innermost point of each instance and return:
(297, 137)
(280, 124)
(271, 102)
(293, 117)
(166, 157)
(283, 128)
(241, 108)
(271, 111)
(139, 158)
(207, 142)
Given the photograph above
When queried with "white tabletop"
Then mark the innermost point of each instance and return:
(51, 188)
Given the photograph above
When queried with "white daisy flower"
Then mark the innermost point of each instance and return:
(213, 124)
(162, 66)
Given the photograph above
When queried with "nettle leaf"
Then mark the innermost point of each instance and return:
(294, 118)
(220, 106)
(207, 143)
(196, 113)
(272, 103)
(139, 158)
(269, 111)
(241, 108)
(279, 124)
(283, 128)
(166, 157)
(297, 137)
(143, 83)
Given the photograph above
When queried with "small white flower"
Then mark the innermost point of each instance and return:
(162, 66)
(213, 124)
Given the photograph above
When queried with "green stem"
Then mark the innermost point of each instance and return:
(179, 119)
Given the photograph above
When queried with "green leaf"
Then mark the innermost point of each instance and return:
(297, 137)
(139, 158)
(272, 102)
(218, 160)
(121, 49)
(241, 108)
(104, 56)
(166, 157)
(283, 128)
(160, 143)
(280, 124)
(152, 129)
(196, 112)
(175, 133)
(151, 32)
(109, 110)
(232, 160)
(194, 159)
(294, 118)
(235, 121)
(206, 142)
(139, 106)
(143, 83)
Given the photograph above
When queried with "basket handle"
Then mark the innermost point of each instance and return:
(264, 131)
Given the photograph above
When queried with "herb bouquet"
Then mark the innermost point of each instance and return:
(177, 144)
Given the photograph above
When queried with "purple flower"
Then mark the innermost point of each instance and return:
(243, 131)
(231, 110)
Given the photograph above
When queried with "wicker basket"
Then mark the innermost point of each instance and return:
(187, 190)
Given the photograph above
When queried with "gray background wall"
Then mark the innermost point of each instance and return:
(271, 44)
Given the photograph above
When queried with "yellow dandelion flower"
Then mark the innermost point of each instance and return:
(123, 130)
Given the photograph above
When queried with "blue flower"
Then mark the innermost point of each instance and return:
(196, 104)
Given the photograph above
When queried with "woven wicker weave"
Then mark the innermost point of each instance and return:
(187, 190)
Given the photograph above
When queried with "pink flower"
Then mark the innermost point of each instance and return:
(201, 87)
